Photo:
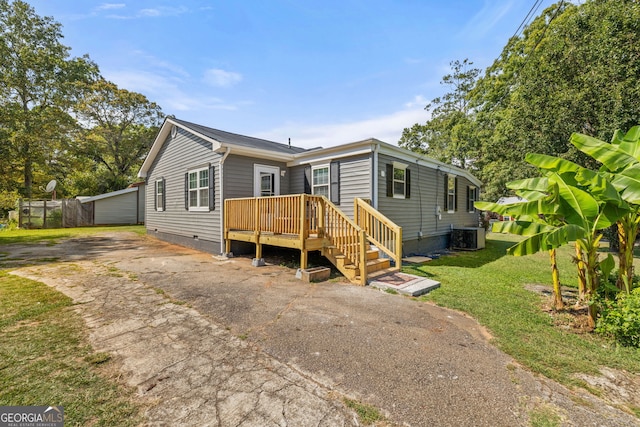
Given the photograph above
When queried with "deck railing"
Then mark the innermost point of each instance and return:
(305, 216)
(380, 230)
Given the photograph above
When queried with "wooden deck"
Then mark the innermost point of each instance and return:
(311, 223)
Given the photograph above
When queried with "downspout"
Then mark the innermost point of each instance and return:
(224, 157)
(374, 189)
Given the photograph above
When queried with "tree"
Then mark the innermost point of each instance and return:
(448, 135)
(574, 69)
(119, 128)
(38, 83)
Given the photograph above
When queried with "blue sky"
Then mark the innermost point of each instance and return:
(319, 72)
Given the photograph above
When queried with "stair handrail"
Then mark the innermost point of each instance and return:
(349, 238)
(385, 234)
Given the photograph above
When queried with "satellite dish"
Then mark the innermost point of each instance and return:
(51, 186)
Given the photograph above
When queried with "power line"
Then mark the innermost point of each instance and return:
(525, 21)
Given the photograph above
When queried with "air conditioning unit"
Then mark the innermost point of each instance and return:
(467, 238)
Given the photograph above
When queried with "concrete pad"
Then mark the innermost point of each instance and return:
(406, 284)
(416, 259)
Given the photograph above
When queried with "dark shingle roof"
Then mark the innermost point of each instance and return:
(241, 140)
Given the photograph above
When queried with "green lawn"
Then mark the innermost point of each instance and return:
(490, 286)
(45, 357)
(54, 234)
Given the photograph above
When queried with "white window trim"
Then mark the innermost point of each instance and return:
(160, 180)
(197, 189)
(403, 166)
(328, 184)
(472, 190)
(451, 208)
(257, 169)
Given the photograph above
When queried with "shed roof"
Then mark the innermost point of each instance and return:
(107, 195)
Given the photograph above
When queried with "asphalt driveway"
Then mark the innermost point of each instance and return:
(255, 346)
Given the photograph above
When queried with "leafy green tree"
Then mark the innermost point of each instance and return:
(38, 84)
(448, 135)
(574, 69)
(119, 128)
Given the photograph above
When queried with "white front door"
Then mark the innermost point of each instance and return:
(266, 181)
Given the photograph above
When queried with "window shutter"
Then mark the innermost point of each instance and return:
(164, 194)
(186, 191)
(446, 192)
(155, 195)
(307, 180)
(334, 176)
(212, 188)
(455, 197)
(469, 207)
(407, 182)
(389, 180)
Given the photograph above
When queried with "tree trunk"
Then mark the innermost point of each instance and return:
(592, 282)
(627, 232)
(582, 275)
(558, 303)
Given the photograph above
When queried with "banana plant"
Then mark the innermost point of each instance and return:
(581, 203)
(621, 162)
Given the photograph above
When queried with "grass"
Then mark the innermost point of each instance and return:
(52, 235)
(45, 359)
(366, 413)
(490, 286)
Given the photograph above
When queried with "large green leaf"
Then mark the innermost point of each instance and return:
(540, 184)
(577, 205)
(614, 158)
(552, 163)
(610, 214)
(627, 183)
(629, 142)
(521, 228)
(531, 194)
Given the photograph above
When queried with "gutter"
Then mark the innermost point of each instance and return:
(224, 157)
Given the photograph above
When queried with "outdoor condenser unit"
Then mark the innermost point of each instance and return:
(467, 238)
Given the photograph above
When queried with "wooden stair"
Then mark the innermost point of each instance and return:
(376, 265)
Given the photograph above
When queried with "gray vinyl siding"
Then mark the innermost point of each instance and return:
(418, 213)
(355, 180)
(141, 194)
(176, 157)
(120, 209)
(239, 175)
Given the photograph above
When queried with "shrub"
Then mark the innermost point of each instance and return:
(620, 318)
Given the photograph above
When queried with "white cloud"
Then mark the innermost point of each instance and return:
(387, 128)
(486, 18)
(147, 13)
(111, 6)
(167, 92)
(221, 78)
(417, 101)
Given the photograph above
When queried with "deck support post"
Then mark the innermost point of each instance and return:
(304, 232)
(363, 257)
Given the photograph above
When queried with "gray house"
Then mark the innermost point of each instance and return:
(216, 191)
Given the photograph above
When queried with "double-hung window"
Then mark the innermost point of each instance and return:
(471, 199)
(451, 193)
(398, 180)
(199, 189)
(160, 194)
(320, 181)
